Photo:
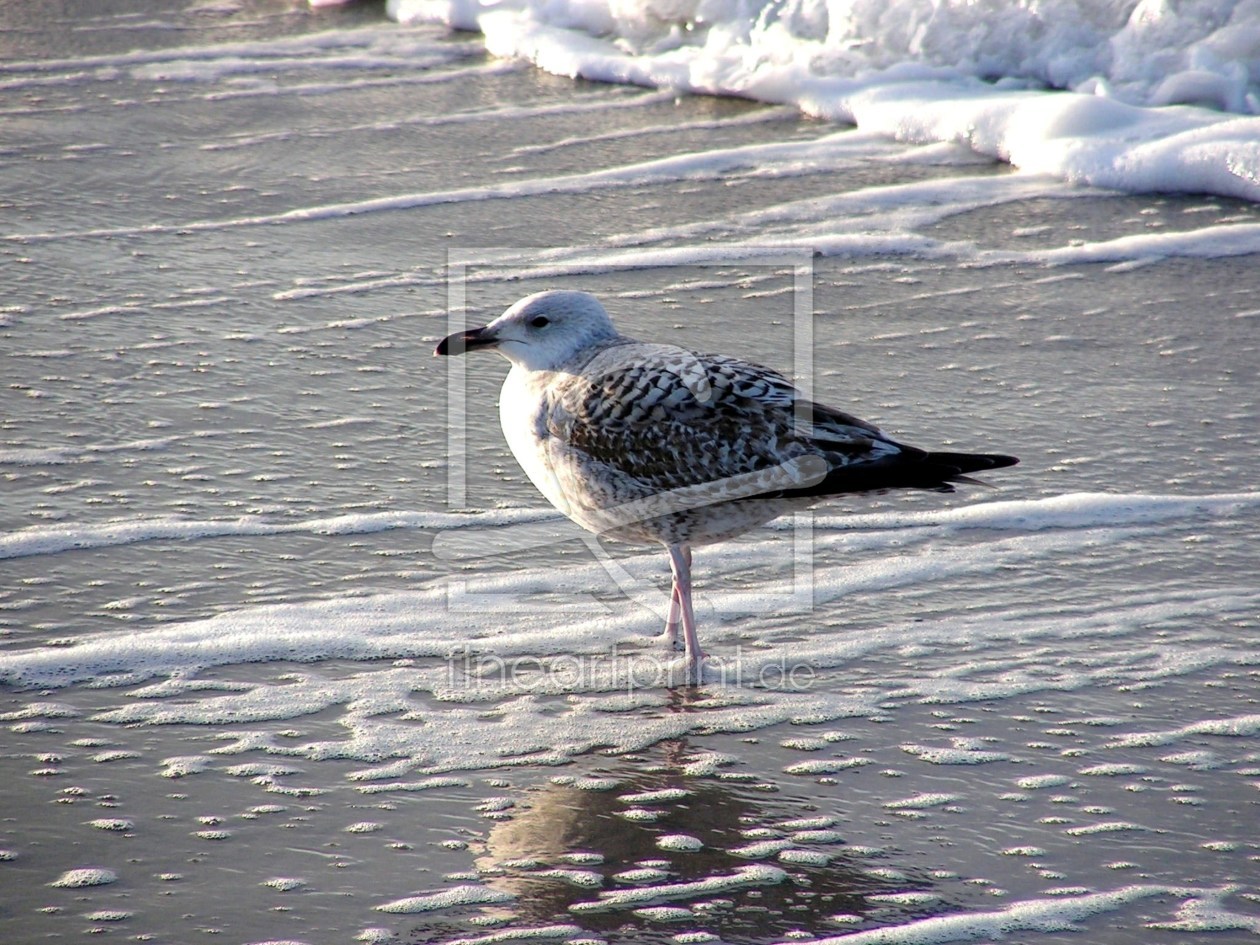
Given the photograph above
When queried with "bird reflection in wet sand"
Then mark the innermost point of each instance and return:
(575, 843)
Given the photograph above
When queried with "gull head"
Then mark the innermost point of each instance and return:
(540, 332)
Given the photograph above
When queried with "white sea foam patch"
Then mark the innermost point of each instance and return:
(1057, 914)
(1244, 726)
(90, 876)
(1143, 53)
(447, 899)
(921, 70)
(744, 877)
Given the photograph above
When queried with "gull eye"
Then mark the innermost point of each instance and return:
(539, 321)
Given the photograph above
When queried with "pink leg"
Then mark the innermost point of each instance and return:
(680, 563)
(671, 622)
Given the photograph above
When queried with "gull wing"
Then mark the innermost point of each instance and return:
(669, 418)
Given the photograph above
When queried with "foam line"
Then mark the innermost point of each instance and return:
(400, 42)
(521, 529)
(781, 159)
(498, 613)
(475, 116)
(55, 539)
(1059, 914)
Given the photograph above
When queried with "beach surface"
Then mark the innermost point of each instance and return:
(291, 650)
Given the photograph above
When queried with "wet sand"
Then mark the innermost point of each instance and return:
(1053, 705)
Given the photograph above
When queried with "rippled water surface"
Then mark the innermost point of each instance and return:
(286, 656)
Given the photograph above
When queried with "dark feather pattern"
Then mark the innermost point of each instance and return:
(670, 418)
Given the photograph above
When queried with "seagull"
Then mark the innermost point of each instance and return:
(656, 444)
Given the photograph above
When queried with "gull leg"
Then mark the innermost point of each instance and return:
(672, 621)
(680, 563)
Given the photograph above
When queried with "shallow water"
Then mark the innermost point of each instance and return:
(234, 671)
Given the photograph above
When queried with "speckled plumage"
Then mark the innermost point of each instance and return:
(654, 443)
(630, 429)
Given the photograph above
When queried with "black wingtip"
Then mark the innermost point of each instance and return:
(909, 469)
(972, 462)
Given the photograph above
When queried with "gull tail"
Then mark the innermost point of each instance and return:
(939, 471)
(908, 469)
(963, 463)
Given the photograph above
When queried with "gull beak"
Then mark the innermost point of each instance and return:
(463, 341)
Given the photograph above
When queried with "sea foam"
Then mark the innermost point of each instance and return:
(1154, 90)
(465, 641)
